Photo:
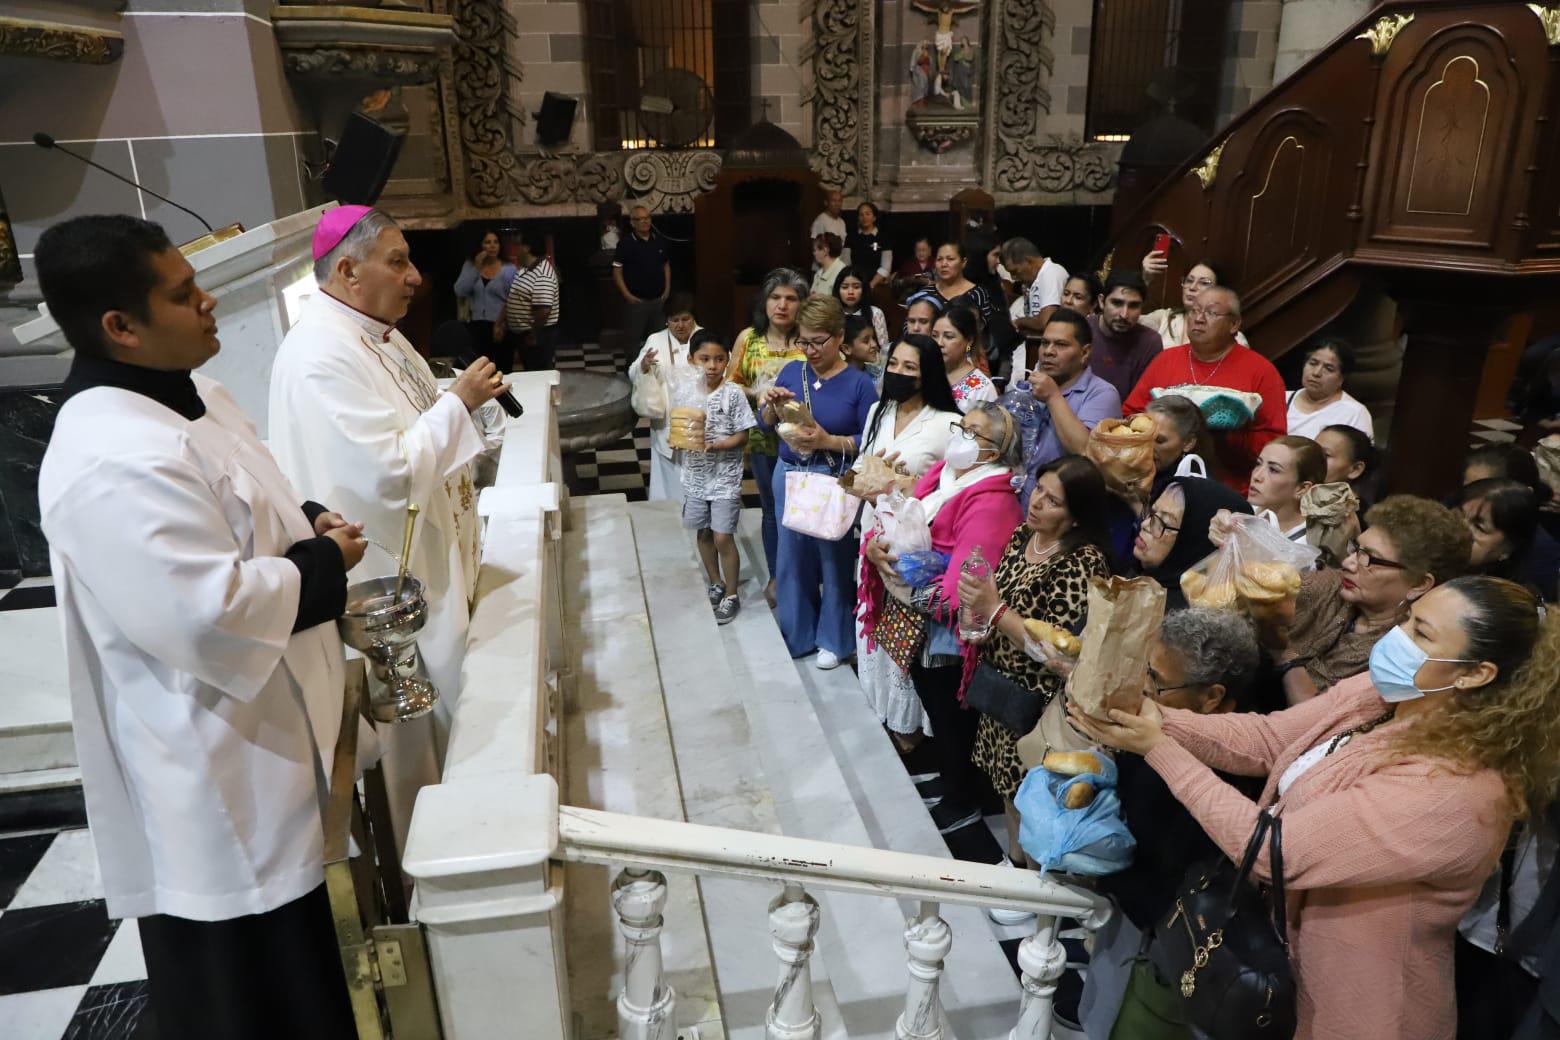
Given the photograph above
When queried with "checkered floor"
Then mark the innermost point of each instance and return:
(66, 968)
(623, 467)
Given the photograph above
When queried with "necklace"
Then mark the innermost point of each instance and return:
(1192, 373)
(1038, 554)
(1365, 727)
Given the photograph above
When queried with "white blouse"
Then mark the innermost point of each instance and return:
(1345, 411)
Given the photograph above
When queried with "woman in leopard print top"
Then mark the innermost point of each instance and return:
(1044, 573)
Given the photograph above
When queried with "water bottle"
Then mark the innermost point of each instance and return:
(973, 627)
(1021, 404)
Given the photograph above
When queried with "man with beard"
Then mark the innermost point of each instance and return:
(1075, 399)
(1123, 347)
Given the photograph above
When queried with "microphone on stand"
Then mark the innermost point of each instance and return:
(43, 140)
(453, 339)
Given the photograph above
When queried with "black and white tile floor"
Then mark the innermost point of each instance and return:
(66, 968)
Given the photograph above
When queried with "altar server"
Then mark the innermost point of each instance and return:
(357, 417)
(197, 591)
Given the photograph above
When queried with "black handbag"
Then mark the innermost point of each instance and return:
(1224, 945)
(1015, 706)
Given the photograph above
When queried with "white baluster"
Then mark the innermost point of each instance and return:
(1042, 960)
(793, 921)
(927, 940)
(647, 1005)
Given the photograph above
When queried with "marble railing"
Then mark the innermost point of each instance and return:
(488, 845)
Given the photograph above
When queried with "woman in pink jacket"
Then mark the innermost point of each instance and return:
(970, 502)
(1397, 789)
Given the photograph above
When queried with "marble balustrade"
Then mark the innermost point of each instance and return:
(488, 844)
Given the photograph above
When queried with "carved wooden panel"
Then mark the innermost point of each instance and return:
(1450, 123)
(1274, 206)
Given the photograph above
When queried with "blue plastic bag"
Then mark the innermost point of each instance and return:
(922, 567)
(1089, 841)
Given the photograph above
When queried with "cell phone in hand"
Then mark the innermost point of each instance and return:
(1162, 245)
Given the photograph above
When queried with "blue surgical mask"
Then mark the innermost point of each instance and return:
(1394, 662)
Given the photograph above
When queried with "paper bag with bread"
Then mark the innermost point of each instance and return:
(1257, 569)
(1123, 449)
(872, 475)
(794, 415)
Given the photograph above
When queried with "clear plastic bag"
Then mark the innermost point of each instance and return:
(1256, 568)
(903, 521)
(686, 417)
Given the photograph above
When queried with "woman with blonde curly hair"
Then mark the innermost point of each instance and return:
(1396, 790)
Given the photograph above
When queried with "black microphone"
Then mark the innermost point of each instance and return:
(453, 339)
(43, 140)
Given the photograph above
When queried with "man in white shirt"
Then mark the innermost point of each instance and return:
(357, 417)
(197, 593)
(1043, 279)
(830, 220)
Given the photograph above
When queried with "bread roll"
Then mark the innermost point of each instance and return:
(1072, 763)
(685, 428)
(1045, 632)
(1078, 796)
(1200, 592)
(1141, 423)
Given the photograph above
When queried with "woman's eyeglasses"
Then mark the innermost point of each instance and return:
(1197, 283)
(1157, 526)
(1369, 559)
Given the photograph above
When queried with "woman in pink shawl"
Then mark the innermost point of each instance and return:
(969, 502)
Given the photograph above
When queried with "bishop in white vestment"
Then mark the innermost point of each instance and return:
(198, 593)
(356, 416)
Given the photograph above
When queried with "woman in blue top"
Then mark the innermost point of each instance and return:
(484, 282)
(815, 588)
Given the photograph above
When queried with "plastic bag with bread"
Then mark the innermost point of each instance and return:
(686, 417)
(1123, 449)
(1257, 570)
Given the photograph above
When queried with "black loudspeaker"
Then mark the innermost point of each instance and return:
(362, 162)
(555, 121)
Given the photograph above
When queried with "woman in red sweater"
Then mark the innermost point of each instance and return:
(1397, 790)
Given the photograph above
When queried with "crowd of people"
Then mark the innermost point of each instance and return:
(1398, 712)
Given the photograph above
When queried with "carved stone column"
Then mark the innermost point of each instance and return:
(793, 921)
(647, 1006)
(927, 941)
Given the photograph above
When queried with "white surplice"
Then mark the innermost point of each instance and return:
(204, 725)
(358, 421)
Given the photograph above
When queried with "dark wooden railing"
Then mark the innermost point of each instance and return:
(1415, 157)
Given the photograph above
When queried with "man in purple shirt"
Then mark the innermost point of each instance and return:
(1075, 398)
(1122, 347)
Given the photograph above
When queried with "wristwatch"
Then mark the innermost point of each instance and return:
(1289, 666)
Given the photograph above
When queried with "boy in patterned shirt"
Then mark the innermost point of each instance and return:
(712, 478)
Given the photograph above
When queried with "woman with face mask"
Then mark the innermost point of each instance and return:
(1409, 545)
(909, 425)
(969, 501)
(1396, 793)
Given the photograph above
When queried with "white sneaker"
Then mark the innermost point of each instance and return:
(1009, 917)
(827, 660)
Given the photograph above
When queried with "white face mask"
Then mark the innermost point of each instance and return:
(963, 450)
